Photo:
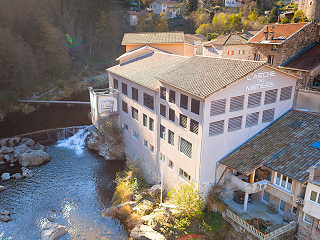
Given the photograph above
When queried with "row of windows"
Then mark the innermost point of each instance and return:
(283, 181)
(235, 123)
(182, 173)
(183, 120)
(241, 52)
(148, 100)
(256, 57)
(184, 100)
(254, 100)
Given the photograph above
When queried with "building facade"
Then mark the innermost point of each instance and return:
(167, 8)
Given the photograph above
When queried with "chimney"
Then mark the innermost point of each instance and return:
(266, 32)
(271, 33)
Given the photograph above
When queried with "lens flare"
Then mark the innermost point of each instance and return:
(73, 42)
(69, 38)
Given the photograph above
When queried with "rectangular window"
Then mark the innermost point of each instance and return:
(115, 84)
(162, 157)
(163, 110)
(307, 218)
(135, 94)
(285, 93)
(218, 107)
(313, 196)
(185, 175)
(216, 128)
(270, 59)
(172, 96)
(183, 121)
(135, 134)
(145, 120)
(256, 57)
(125, 127)
(186, 147)
(171, 138)
(170, 164)
(163, 93)
(239, 52)
(151, 148)
(124, 89)
(184, 101)
(243, 51)
(194, 126)
(124, 107)
(151, 124)
(282, 206)
(234, 123)
(254, 99)
(145, 143)
(172, 115)
(232, 53)
(236, 103)
(134, 113)
(266, 196)
(162, 132)
(268, 115)
(148, 101)
(270, 96)
(284, 181)
(294, 210)
(252, 119)
(195, 106)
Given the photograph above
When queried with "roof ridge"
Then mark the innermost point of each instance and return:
(227, 39)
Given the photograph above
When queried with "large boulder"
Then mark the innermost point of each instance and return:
(53, 231)
(38, 146)
(27, 141)
(147, 232)
(5, 176)
(17, 176)
(20, 149)
(10, 142)
(33, 158)
(93, 142)
(6, 150)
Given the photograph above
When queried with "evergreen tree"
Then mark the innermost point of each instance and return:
(192, 5)
(273, 17)
(162, 25)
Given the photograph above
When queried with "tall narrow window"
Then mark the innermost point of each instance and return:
(256, 57)
(163, 110)
(134, 113)
(184, 101)
(186, 147)
(171, 138)
(148, 101)
(172, 96)
(115, 84)
(183, 121)
(145, 120)
(163, 93)
(124, 89)
(236, 103)
(172, 115)
(195, 106)
(124, 107)
(162, 132)
(135, 94)
(270, 59)
(194, 126)
(151, 124)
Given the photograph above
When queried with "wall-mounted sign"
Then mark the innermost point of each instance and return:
(260, 80)
(107, 105)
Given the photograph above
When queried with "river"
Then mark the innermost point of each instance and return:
(72, 190)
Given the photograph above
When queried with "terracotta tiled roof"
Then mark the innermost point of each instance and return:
(144, 69)
(195, 37)
(284, 146)
(153, 37)
(306, 60)
(202, 76)
(282, 32)
(227, 39)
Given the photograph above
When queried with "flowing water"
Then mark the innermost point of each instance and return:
(72, 190)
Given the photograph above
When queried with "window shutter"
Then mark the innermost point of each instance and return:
(216, 128)
(234, 123)
(268, 115)
(186, 147)
(236, 103)
(252, 119)
(218, 107)
(271, 96)
(285, 93)
(254, 99)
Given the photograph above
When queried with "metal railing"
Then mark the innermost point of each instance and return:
(256, 232)
(245, 186)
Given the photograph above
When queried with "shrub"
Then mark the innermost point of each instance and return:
(126, 187)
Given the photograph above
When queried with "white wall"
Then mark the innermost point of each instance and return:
(310, 207)
(216, 147)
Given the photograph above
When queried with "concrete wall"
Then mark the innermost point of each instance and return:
(311, 207)
(214, 148)
(308, 100)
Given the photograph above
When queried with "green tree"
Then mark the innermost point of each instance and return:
(234, 23)
(161, 25)
(285, 20)
(204, 29)
(274, 14)
(253, 16)
(192, 5)
(219, 22)
(298, 17)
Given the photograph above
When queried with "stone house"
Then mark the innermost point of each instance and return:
(311, 9)
(277, 43)
(228, 46)
(171, 42)
(168, 8)
(273, 166)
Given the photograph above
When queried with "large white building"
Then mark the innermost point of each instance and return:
(181, 115)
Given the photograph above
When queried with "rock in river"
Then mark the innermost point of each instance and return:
(33, 158)
(146, 232)
(5, 176)
(53, 231)
(2, 188)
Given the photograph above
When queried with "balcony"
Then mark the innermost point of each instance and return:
(249, 188)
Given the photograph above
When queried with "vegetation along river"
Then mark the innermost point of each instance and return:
(72, 190)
